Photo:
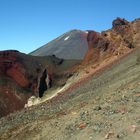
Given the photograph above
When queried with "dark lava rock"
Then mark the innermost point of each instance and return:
(119, 22)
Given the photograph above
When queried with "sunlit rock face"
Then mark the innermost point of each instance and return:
(123, 37)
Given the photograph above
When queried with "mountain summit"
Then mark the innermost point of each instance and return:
(66, 46)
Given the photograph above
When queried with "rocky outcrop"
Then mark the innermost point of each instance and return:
(97, 45)
(119, 22)
(92, 39)
(117, 41)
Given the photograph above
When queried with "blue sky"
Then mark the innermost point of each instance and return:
(26, 25)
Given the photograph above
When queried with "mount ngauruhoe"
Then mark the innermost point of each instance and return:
(71, 45)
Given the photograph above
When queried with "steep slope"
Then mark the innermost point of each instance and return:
(66, 46)
(107, 106)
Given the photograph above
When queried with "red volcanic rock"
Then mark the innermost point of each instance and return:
(82, 125)
(92, 39)
(96, 45)
(10, 66)
(13, 80)
(116, 41)
(19, 79)
(18, 73)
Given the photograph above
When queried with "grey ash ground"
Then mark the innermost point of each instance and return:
(106, 107)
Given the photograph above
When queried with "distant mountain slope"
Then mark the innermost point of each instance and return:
(71, 45)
